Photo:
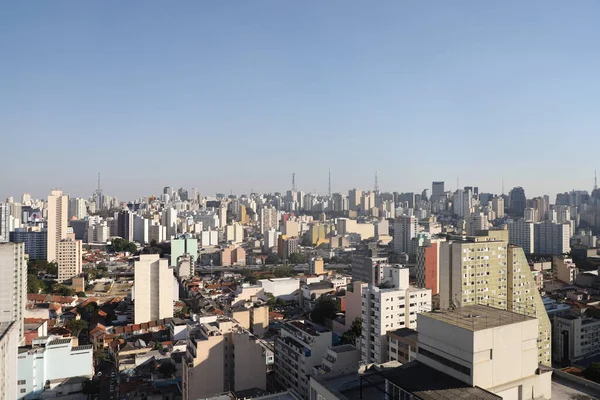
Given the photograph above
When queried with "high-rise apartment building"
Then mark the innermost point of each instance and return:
(485, 270)
(153, 289)
(36, 242)
(268, 219)
(405, 228)
(68, 259)
(13, 284)
(355, 199)
(222, 356)
(300, 346)
(9, 345)
(428, 265)
(316, 266)
(125, 225)
(552, 237)
(389, 307)
(498, 206)
(4, 223)
(58, 207)
(521, 233)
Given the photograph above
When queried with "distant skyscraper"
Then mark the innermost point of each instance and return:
(13, 284)
(521, 233)
(77, 208)
(518, 201)
(355, 198)
(125, 225)
(437, 191)
(68, 259)
(498, 206)
(57, 222)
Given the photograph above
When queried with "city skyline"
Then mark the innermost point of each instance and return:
(252, 92)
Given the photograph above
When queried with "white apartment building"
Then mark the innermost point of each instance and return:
(521, 233)
(13, 284)
(98, 232)
(222, 356)
(565, 269)
(157, 232)
(285, 288)
(575, 338)
(9, 343)
(68, 259)
(50, 361)
(552, 238)
(209, 238)
(141, 229)
(385, 310)
(405, 228)
(152, 289)
(271, 239)
(299, 348)
(58, 208)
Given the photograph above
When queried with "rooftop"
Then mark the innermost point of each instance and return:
(430, 384)
(343, 348)
(405, 333)
(477, 317)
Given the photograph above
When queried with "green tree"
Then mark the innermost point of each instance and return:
(271, 300)
(297, 258)
(592, 372)
(81, 294)
(76, 326)
(272, 259)
(326, 308)
(283, 271)
(63, 290)
(355, 331)
(34, 285)
(118, 245)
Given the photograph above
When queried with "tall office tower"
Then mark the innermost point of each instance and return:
(269, 219)
(498, 206)
(58, 207)
(387, 307)
(552, 238)
(299, 347)
(222, 356)
(462, 201)
(168, 191)
(68, 259)
(141, 229)
(405, 228)
(355, 199)
(485, 270)
(521, 233)
(77, 208)
(125, 225)
(542, 206)
(4, 223)
(153, 289)
(437, 191)
(13, 284)
(476, 222)
(518, 201)
(36, 242)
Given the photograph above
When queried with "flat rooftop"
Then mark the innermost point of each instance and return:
(430, 384)
(477, 317)
(343, 348)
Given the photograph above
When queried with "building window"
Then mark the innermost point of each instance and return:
(23, 390)
(21, 382)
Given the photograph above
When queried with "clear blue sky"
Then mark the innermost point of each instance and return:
(224, 95)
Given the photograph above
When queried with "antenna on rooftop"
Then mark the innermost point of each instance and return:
(376, 183)
(595, 180)
(98, 180)
(293, 181)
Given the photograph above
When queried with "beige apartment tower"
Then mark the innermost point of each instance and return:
(488, 271)
(153, 289)
(58, 209)
(68, 259)
(13, 284)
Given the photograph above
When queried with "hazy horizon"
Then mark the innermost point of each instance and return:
(239, 95)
